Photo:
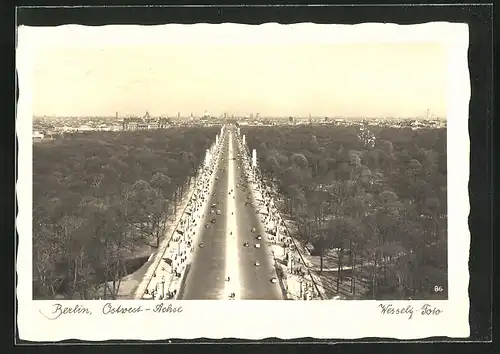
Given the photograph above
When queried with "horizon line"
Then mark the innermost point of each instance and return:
(239, 117)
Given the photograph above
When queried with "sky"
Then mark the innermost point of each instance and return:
(272, 71)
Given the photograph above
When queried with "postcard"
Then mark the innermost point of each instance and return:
(164, 167)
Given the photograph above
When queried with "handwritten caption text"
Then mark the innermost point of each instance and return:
(109, 308)
(409, 310)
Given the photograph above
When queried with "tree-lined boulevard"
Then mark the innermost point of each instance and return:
(101, 203)
(327, 212)
(369, 205)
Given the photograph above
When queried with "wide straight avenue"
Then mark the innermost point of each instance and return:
(232, 259)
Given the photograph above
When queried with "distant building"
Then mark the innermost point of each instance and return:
(37, 136)
(146, 122)
(68, 129)
(163, 123)
(142, 125)
(84, 128)
(130, 123)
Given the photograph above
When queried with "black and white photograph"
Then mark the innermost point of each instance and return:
(233, 162)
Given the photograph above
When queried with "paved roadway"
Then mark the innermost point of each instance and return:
(223, 254)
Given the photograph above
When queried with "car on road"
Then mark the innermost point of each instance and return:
(259, 237)
(274, 280)
(218, 212)
(213, 205)
(253, 229)
(257, 245)
(213, 221)
(207, 226)
(245, 244)
(257, 263)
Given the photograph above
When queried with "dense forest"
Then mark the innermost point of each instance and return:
(100, 198)
(375, 196)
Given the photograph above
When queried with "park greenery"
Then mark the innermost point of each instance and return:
(375, 197)
(99, 198)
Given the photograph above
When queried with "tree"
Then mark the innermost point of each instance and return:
(345, 229)
(323, 241)
(149, 210)
(85, 193)
(74, 281)
(161, 183)
(299, 160)
(387, 147)
(46, 253)
(414, 168)
(396, 189)
(313, 143)
(295, 195)
(271, 166)
(109, 244)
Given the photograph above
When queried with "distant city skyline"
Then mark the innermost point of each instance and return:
(90, 74)
(430, 116)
